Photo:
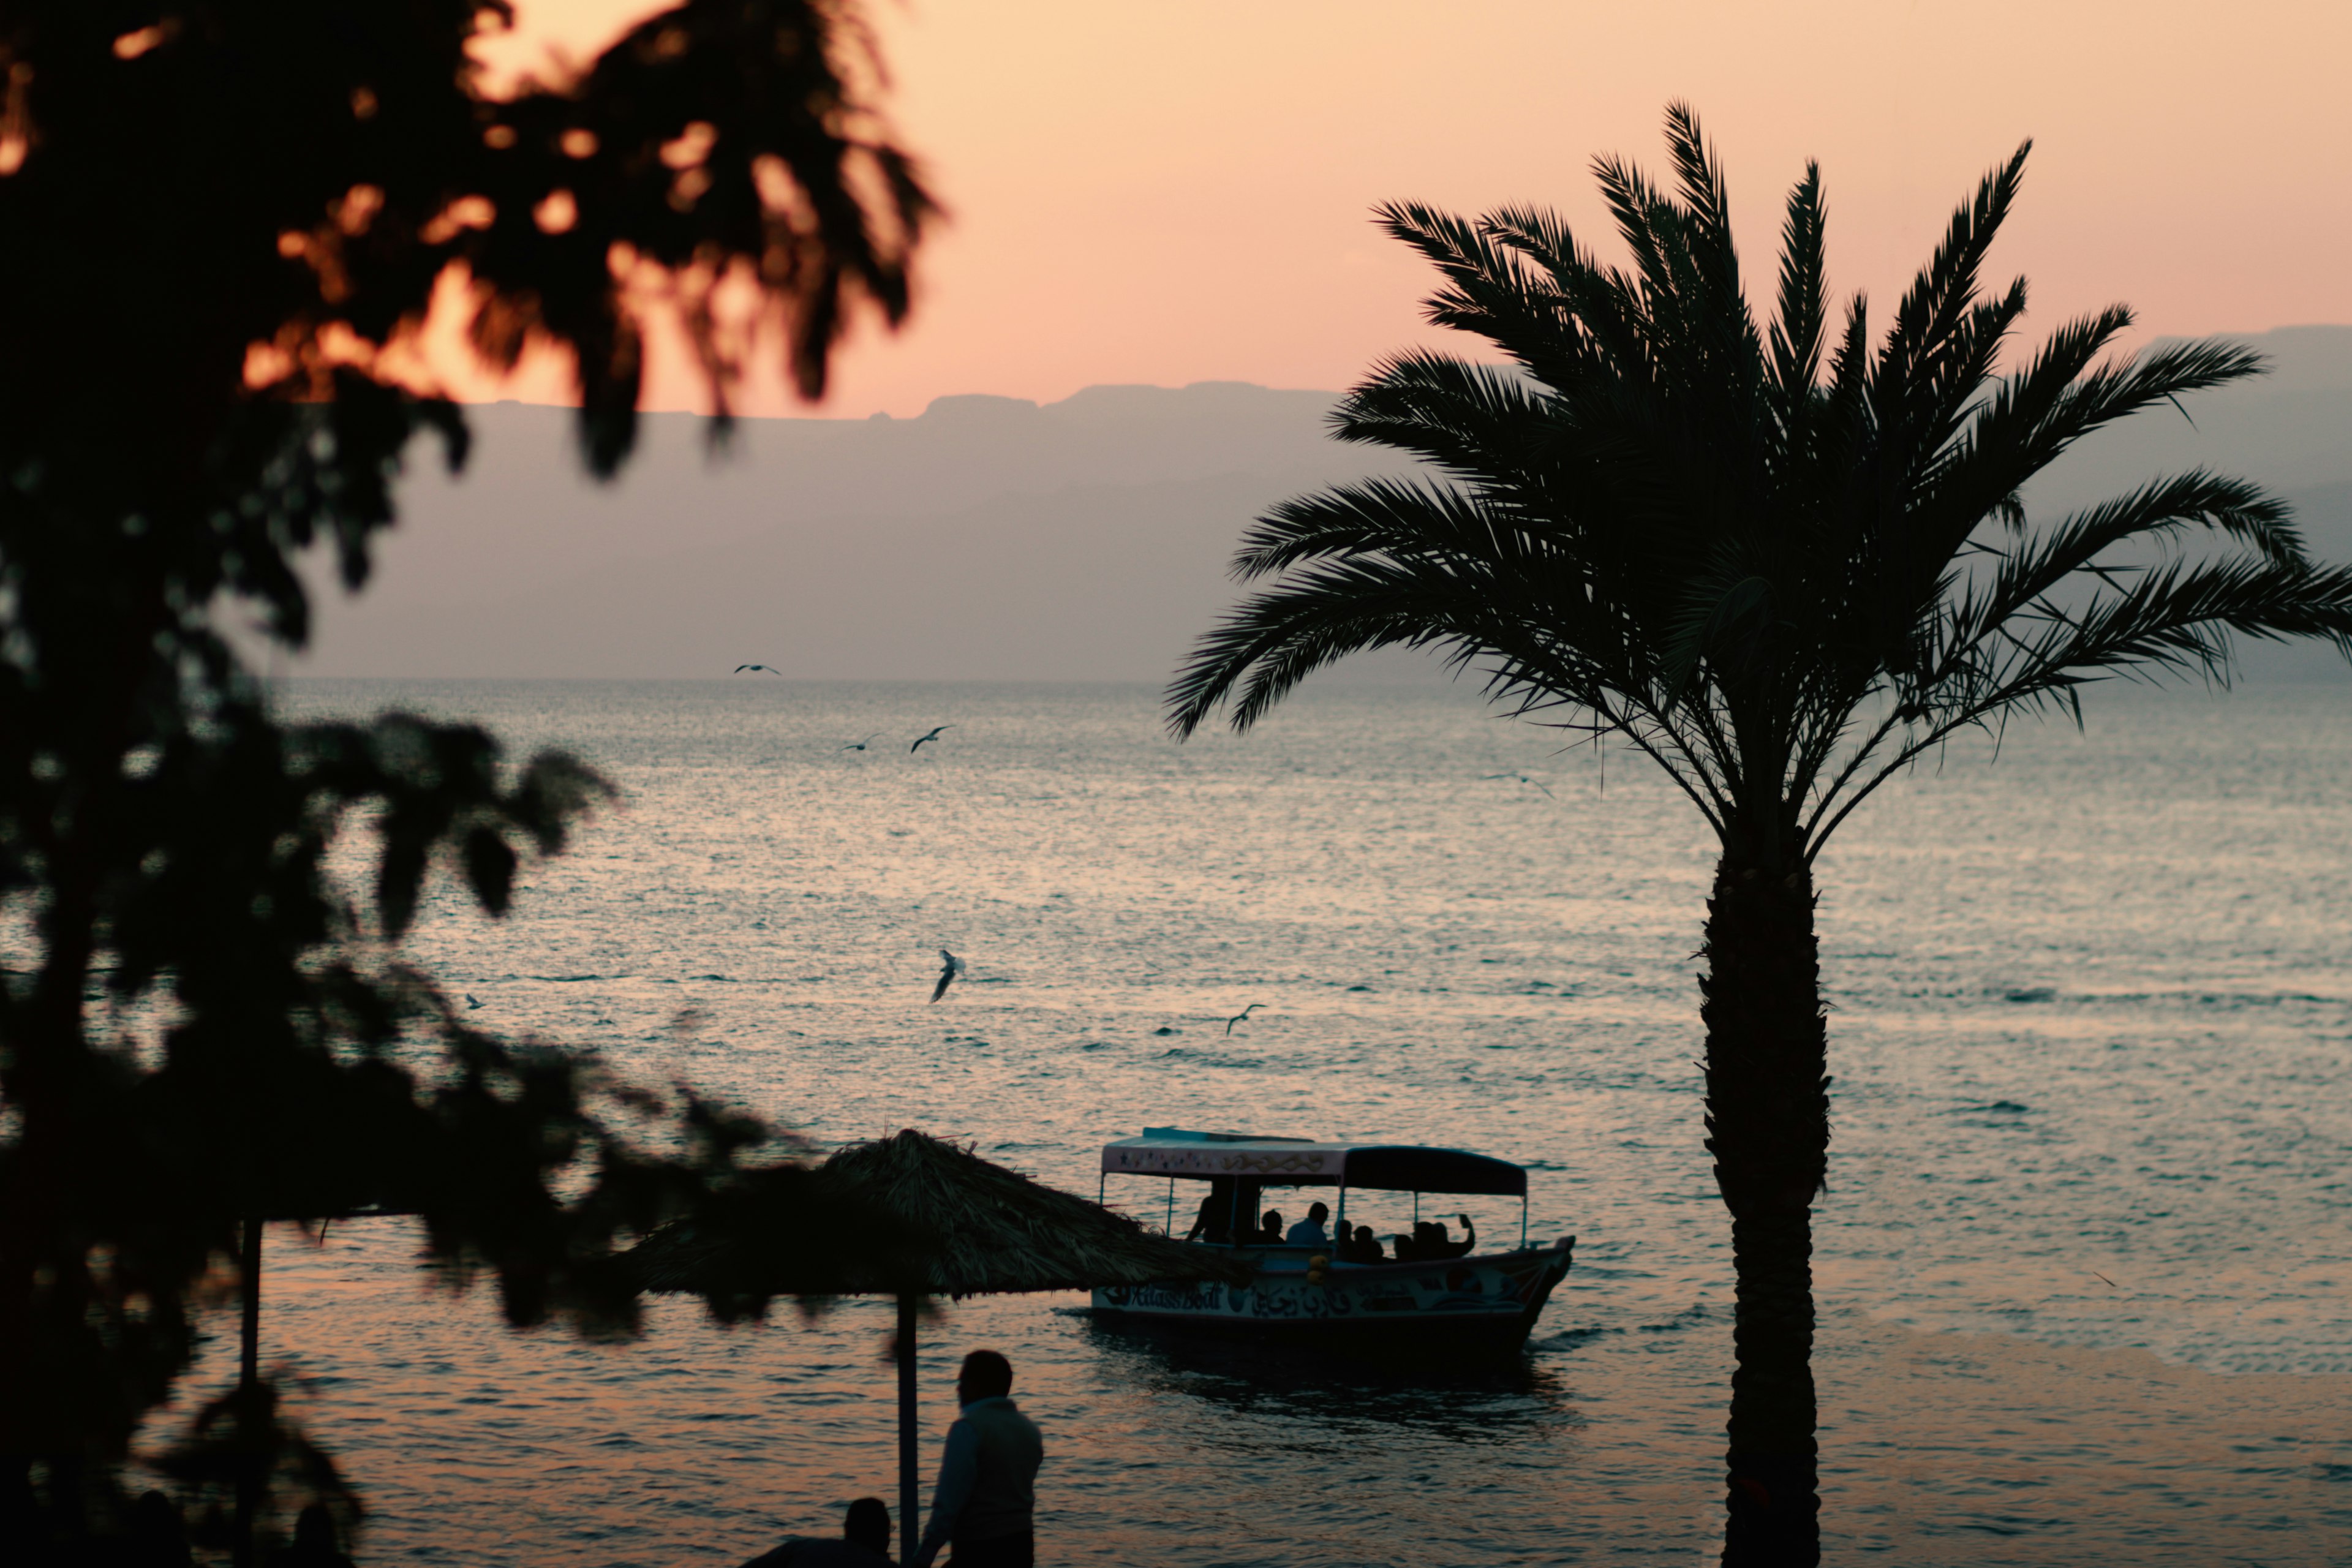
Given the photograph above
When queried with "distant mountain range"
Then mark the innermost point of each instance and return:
(995, 538)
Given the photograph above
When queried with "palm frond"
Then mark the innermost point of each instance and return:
(1475, 421)
(1780, 561)
(1401, 517)
(1801, 324)
(1917, 348)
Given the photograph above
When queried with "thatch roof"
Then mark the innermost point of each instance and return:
(974, 1228)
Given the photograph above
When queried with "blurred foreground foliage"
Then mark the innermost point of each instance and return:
(223, 223)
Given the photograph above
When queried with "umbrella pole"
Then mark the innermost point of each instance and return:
(906, 1427)
(248, 1377)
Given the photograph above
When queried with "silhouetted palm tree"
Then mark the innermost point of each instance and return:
(1780, 563)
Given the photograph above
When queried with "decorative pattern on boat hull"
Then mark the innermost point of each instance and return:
(1491, 1302)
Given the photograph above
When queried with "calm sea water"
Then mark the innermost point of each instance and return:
(2090, 1040)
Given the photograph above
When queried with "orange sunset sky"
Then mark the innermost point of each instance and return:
(1145, 191)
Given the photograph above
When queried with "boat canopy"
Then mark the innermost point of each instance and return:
(1305, 1162)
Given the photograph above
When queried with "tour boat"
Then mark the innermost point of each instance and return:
(1483, 1300)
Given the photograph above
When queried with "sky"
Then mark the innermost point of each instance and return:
(1146, 192)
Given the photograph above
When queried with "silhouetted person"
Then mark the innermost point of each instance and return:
(1214, 1222)
(1309, 1232)
(864, 1542)
(1365, 1247)
(987, 1495)
(159, 1535)
(1270, 1230)
(1429, 1242)
(314, 1543)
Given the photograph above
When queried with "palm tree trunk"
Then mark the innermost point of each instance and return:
(1767, 1125)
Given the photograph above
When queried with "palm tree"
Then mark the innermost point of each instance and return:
(1782, 564)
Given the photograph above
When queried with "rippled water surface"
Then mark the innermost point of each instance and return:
(2090, 1042)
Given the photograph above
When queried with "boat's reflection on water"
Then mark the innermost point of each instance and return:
(1485, 1401)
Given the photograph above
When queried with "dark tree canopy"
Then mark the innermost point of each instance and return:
(222, 225)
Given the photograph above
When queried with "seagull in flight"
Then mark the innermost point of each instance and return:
(771, 668)
(918, 746)
(1242, 1017)
(1525, 780)
(859, 746)
(471, 1003)
(949, 967)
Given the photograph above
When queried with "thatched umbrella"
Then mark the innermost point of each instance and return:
(982, 1230)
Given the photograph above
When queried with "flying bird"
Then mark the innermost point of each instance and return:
(471, 1003)
(1242, 1017)
(859, 746)
(1525, 780)
(933, 736)
(771, 668)
(949, 967)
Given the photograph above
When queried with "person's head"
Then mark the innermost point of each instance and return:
(156, 1518)
(868, 1523)
(985, 1376)
(1364, 1233)
(1318, 1213)
(314, 1529)
(1273, 1220)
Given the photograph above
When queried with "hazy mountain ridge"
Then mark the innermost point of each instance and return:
(995, 538)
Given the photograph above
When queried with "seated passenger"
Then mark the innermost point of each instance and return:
(1270, 1232)
(1363, 1247)
(1309, 1232)
(1440, 1248)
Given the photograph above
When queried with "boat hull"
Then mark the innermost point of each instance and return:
(1488, 1303)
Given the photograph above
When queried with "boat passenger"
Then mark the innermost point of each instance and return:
(1309, 1232)
(1439, 1247)
(1428, 1242)
(1213, 1223)
(1269, 1234)
(1362, 1247)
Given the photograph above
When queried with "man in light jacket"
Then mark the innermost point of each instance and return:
(987, 1490)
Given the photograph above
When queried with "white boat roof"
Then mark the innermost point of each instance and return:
(1180, 1151)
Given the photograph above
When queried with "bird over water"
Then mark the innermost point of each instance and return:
(949, 967)
(933, 736)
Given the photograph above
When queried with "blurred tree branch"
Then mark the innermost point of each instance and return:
(222, 222)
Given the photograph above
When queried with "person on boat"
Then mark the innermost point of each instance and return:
(987, 1495)
(1362, 1247)
(1269, 1232)
(1438, 1246)
(1214, 1223)
(1309, 1232)
(865, 1543)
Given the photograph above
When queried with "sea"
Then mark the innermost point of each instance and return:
(2085, 1262)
